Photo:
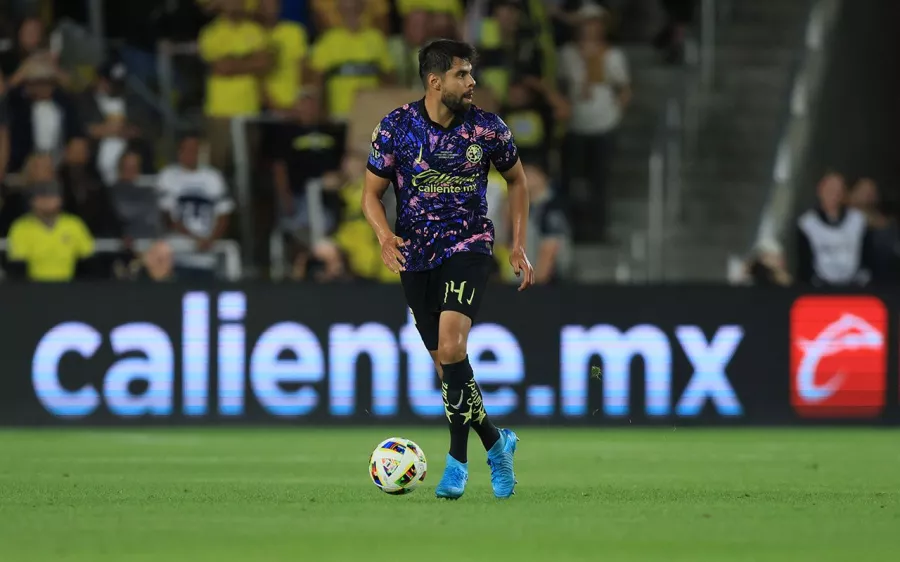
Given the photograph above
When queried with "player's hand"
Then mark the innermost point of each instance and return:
(522, 268)
(390, 254)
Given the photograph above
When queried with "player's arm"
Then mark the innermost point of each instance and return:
(505, 157)
(517, 195)
(379, 173)
(373, 209)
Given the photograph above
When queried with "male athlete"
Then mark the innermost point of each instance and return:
(437, 152)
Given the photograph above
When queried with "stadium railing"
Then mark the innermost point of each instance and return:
(228, 251)
(807, 80)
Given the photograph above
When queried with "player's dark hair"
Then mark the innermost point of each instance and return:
(437, 56)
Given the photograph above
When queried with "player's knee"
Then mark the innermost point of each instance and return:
(451, 352)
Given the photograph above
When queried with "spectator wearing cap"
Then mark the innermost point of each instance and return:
(42, 117)
(47, 244)
(31, 45)
(113, 119)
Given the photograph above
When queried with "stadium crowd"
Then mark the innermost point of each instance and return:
(83, 158)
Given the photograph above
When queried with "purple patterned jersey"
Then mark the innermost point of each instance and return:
(440, 176)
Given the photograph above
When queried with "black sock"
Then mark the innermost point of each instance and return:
(453, 391)
(472, 409)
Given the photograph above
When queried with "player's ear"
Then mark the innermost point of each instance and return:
(434, 81)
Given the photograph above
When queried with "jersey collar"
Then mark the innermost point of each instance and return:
(457, 118)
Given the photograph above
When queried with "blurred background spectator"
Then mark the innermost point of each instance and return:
(349, 57)
(884, 236)
(198, 208)
(833, 239)
(597, 81)
(47, 244)
(767, 266)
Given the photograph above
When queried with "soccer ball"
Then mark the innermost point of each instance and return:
(397, 466)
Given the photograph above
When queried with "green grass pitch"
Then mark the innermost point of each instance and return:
(594, 495)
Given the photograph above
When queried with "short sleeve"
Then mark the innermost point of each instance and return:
(210, 45)
(223, 203)
(259, 40)
(320, 59)
(383, 53)
(504, 153)
(19, 244)
(381, 156)
(617, 67)
(166, 190)
(84, 242)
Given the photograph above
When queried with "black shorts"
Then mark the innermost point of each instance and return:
(457, 284)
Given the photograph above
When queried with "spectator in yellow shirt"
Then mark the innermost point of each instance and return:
(447, 15)
(350, 58)
(375, 14)
(235, 48)
(451, 7)
(289, 45)
(46, 241)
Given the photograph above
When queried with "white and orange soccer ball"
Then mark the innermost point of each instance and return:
(397, 466)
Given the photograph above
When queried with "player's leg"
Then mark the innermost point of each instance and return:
(422, 291)
(465, 278)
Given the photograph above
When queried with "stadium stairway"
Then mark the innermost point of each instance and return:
(726, 183)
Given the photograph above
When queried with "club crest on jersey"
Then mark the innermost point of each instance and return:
(375, 132)
(474, 153)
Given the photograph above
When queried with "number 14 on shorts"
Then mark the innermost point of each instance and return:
(450, 287)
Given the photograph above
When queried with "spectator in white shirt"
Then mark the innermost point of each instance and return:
(597, 80)
(195, 200)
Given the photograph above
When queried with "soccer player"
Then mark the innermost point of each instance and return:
(437, 152)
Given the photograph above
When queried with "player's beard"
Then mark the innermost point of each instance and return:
(456, 104)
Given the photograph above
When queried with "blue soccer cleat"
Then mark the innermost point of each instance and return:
(500, 459)
(453, 483)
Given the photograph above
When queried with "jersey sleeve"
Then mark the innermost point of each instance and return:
(19, 243)
(504, 153)
(84, 242)
(381, 157)
(219, 194)
(165, 190)
(210, 47)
